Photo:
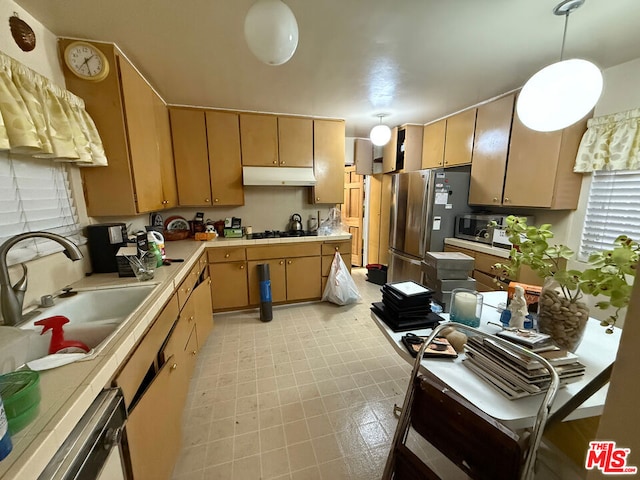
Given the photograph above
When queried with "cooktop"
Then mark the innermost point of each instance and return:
(280, 234)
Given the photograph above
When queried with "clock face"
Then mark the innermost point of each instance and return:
(86, 61)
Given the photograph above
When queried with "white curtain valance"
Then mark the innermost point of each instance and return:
(611, 142)
(40, 119)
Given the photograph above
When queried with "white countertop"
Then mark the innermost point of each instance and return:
(68, 391)
(478, 247)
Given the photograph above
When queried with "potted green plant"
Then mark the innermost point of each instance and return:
(562, 314)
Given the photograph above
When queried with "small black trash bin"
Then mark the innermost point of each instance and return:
(377, 273)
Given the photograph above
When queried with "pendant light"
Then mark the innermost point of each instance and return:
(562, 93)
(271, 31)
(380, 134)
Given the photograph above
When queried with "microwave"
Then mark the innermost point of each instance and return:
(477, 227)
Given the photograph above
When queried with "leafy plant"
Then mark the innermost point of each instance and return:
(606, 275)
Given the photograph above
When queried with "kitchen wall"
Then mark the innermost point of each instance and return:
(53, 272)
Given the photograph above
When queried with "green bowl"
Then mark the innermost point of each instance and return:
(20, 392)
(17, 423)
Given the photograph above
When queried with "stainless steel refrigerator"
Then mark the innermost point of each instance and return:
(424, 205)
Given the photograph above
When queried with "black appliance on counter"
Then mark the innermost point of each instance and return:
(281, 234)
(104, 240)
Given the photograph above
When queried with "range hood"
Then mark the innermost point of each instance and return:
(283, 176)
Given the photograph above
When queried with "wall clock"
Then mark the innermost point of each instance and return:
(86, 61)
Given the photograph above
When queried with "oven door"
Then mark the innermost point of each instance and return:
(93, 448)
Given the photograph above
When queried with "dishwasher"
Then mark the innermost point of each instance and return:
(93, 449)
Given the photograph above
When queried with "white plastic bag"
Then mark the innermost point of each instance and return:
(340, 289)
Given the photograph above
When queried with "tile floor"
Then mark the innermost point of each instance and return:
(308, 395)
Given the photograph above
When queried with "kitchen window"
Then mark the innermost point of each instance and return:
(613, 209)
(35, 194)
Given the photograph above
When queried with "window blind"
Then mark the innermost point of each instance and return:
(35, 195)
(613, 209)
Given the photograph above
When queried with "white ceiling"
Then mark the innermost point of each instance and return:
(415, 60)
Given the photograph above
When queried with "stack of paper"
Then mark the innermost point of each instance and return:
(515, 375)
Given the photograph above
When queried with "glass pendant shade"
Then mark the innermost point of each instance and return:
(380, 135)
(559, 95)
(271, 31)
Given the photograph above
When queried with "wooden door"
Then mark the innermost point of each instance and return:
(139, 111)
(373, 232)
(389, 153)
(189, 134)
(385, 219)
(328, 161)
(277, 276)
(225, 162)
(490, 148)
(165, 153)
(303, 278)
(458, 143)
(229, 285)
(154, 426)
(295, 142)
(352, 211)
(259, 139)
(433, 144)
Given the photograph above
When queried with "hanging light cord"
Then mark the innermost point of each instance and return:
(564, 35)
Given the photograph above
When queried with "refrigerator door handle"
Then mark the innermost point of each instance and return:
(413, 260)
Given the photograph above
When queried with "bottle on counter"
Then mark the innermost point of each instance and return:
(153, 248)
(5, 438)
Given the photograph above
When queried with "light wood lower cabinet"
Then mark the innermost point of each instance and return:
(229, 285)
(201, 298)
(303, 278)
(154, 426)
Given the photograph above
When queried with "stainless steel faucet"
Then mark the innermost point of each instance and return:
(12, 297)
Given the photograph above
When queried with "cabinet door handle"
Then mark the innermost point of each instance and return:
(174, 366)
(506, 199)
(226, 255)
(193, 352)
(191, 318)
(275, 162)
(281, 262)
(317, 199)
(282, 162)
(206, 200)
(289, 262)
(337, 249)
(241, 267)
(216, 200)
(209, 281)
(495, 199)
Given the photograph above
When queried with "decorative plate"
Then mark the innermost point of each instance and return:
(176, 223)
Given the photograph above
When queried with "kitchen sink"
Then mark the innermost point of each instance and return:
(94, 317)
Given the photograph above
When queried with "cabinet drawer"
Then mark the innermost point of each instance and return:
(332, 247)
(284, 251)
(232, 254)
(466, 251)
(484, 262)
(143, 357)
(186, 286)
(327, 260)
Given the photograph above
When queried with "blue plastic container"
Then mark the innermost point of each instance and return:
(5, 437)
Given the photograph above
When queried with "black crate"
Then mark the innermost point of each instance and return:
(377, 274)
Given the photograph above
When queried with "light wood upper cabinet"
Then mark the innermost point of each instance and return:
(540, 167)
(225, 163)
(389, 153)
(259, 138)
(433, 144)
(207, 157)
(295, 142)
(124, 109)
(165, 152)
(410, 147)
(490, 148)
(363, 156)
(458, 144)
(189, 134)
(328, 161)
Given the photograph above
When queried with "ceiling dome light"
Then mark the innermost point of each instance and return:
(271, 31)
(561, 93)
(380, 134)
